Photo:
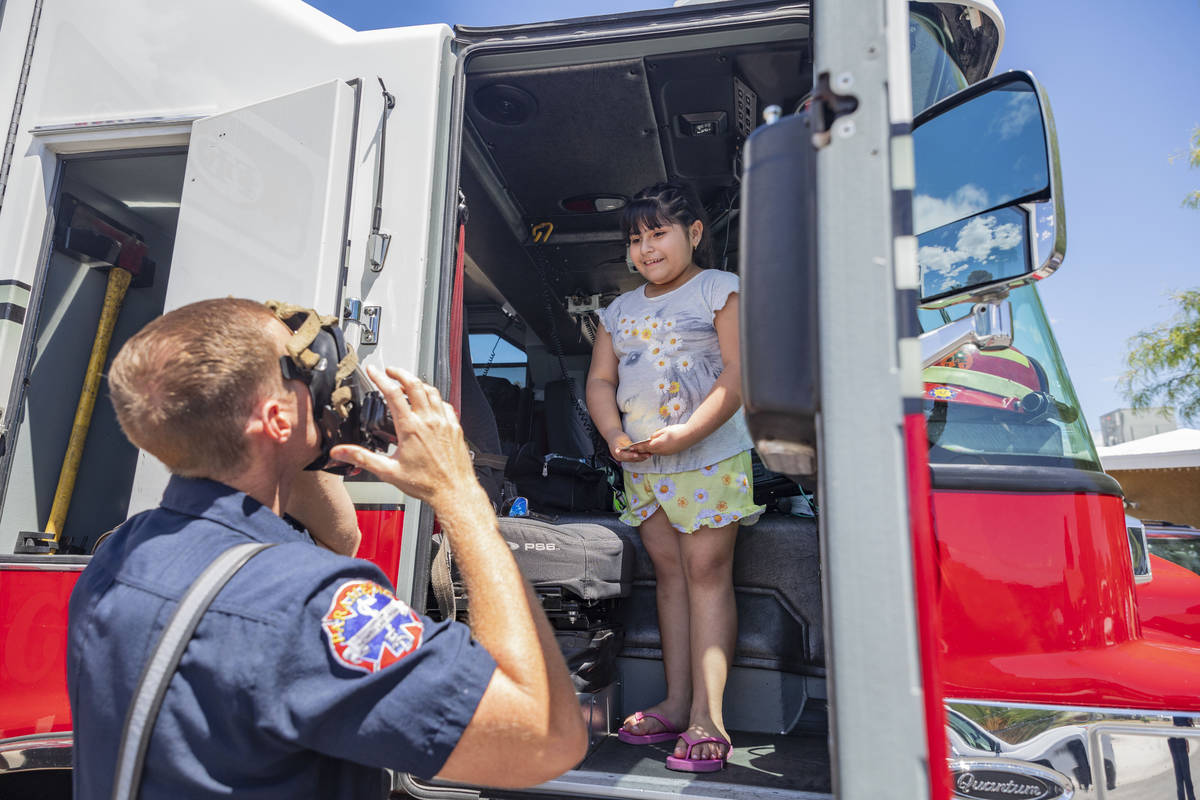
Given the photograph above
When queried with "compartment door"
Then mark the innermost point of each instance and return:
(263, 212)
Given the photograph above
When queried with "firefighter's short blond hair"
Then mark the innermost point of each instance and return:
(185, 386)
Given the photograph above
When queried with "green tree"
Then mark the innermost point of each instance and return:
(1192, 154)
(1164, 361)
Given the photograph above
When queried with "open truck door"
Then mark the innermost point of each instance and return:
(264, 214)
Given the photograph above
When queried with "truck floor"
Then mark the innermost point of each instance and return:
(762, 765)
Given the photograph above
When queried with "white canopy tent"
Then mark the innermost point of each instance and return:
(1173, 449)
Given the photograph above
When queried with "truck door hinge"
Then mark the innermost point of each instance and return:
(366, 317)
(827, 106)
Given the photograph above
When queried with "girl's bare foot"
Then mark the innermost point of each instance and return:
(699, 728)
(648, 724)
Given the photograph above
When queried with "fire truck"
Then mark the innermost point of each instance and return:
(969, 613)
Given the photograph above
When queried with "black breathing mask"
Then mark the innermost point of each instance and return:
(345, 407)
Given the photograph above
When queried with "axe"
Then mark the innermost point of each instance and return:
(123, 254)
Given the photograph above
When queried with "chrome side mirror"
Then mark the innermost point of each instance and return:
(987, 208)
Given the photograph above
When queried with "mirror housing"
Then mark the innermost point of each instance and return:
(988, 176)
(778, 316)
(989, 325)
(1139, 550)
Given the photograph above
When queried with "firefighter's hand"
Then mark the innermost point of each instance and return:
(668, 441)
(430, 461)
(618, 446)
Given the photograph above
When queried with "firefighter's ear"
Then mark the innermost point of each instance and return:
(274, 418)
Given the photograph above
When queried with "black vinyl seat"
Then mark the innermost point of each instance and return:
(777, 580)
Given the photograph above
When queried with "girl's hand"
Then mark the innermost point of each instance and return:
(617, 447)
(668, 441)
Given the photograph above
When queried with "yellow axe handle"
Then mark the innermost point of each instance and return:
(114, 295)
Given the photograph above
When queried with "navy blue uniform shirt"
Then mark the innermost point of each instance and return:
(304, 678)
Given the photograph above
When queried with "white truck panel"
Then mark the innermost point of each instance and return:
(172, 59)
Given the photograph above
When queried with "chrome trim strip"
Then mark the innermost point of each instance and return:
(36, 752)
(1098, 753)
(132, 123)
(43, 563)
(1139, 713)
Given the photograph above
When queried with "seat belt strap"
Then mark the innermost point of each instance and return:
(441, 576)
(456, 312)
(490, 460)
(164, 660)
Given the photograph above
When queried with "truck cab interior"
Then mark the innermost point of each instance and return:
(554, 143)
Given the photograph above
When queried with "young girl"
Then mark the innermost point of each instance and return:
(664, 391)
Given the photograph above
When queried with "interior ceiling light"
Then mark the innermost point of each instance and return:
(592, 203)
(150, 203)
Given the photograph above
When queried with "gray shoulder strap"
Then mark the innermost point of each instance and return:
(152, 685)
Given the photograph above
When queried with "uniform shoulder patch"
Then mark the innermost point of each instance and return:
(368, 629)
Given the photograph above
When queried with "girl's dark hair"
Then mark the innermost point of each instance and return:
(668, 204)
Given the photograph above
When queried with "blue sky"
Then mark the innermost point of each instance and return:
(1124, 84)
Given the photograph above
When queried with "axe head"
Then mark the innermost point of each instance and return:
(102, 242)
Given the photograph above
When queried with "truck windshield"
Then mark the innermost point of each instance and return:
(1014, 405)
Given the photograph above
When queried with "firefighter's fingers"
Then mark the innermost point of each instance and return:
(441, 406)
(448, 412)
(394, 393)
(378, 464)
(415, 388)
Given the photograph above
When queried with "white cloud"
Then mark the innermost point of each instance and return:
(942, 260)
(1022, 107)
(934, 212)
(979, 242)
(982, 235)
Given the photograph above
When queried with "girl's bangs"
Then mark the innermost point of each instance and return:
(643, 214)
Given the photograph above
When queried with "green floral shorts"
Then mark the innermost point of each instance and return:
(711, 496)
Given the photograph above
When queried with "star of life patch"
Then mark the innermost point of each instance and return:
(368, 629)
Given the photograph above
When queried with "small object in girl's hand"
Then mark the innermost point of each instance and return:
(633, 445)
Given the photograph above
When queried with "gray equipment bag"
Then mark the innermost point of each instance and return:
(152, 685)
(587, 560)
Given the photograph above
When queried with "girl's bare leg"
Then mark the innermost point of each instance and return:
(708, 569)
(662, 543)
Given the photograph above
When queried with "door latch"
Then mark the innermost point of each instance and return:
(828, 105)
(366, 317)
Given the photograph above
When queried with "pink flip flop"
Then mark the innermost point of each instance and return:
(689, 764)
(667, 734)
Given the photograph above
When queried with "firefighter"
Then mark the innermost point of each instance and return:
(307, 675)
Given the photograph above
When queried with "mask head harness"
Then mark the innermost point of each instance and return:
(345, 407)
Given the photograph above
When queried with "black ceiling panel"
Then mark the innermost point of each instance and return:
(592, 132)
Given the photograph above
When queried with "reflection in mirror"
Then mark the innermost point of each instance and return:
(1044, 231)
(988, 151)
(972, 252)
